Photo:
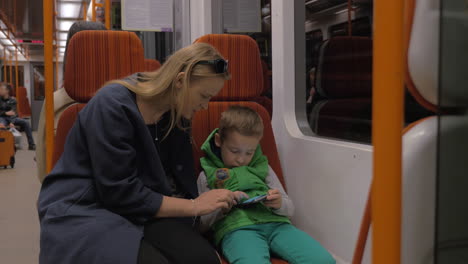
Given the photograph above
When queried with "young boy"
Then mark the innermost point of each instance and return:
(248, 234)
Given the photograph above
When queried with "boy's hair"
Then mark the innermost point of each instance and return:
(241, 119)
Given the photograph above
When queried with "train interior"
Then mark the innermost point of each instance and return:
(313, 70)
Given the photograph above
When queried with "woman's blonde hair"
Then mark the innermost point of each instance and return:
(162, 82)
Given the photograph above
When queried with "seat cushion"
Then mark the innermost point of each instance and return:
(205, 121)
(349, 119)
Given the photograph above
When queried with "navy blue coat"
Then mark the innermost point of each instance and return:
(108, 183)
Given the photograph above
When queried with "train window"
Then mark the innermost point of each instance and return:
(7, 68)
(359, 27)
(261, 33)
(339, 70)
(38, 82)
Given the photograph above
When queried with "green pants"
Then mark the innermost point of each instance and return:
(253, 244)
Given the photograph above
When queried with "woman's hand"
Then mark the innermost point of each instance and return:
(274, 199)
(210, 201)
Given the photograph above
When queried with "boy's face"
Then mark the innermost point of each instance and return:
(3, 91)
(237, 150)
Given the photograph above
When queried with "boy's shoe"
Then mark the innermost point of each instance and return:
(32, 147)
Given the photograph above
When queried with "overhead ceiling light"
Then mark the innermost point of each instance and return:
(69, 10)
(62, 36)
(64, 25)
(6, 42)
(62, 50)
(2, 35)
(310, 2)
(345, 10)
(62, 43)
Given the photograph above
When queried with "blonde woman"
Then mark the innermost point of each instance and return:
(124, 190)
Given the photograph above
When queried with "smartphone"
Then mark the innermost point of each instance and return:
(254, 200)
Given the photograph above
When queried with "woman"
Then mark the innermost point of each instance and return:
(61, 99)
(124, 190)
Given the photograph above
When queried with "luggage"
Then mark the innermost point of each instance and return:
(17, 135)
(7, 149)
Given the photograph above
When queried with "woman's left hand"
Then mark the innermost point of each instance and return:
(274, 199)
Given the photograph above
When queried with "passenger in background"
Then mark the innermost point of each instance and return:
(61, 99)
(9, 116)
(122, 191)
(234, 161)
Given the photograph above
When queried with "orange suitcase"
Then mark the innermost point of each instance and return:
(7, 149)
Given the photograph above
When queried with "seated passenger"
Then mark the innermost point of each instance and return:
(247, 234)
(61, 99)
(9, 116)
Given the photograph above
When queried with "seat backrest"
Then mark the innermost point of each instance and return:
(94, 58)
(23, 103)
(422, 49)
(345, 68)
(344, 84)
(152, 65)
(65, 123)
(244, 65)
(205, 121)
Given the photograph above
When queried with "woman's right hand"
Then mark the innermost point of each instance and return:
(213, 200)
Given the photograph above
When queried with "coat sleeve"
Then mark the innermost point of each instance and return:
(206, 221)
(110, 136)
(287, 206)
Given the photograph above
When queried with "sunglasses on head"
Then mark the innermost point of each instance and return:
(220, 65)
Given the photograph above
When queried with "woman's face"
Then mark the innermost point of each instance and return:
(200, 93)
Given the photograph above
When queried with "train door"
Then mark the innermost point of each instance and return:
(37, 88)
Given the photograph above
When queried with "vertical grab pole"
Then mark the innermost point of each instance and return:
(49, 80)
(18, 106)
(11, 68)
(57, 68)
(93, 10)
(85, 11)
(350, 28)
(108, 14)
(4, 65)
(387, 126)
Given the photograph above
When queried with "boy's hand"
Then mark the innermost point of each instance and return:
(12, 125)
(10, 113)
(240, 196)
(274, 199)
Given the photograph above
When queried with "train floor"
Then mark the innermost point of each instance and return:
(19, 224)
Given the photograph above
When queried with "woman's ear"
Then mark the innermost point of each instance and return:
(218, 141)
(180, 80)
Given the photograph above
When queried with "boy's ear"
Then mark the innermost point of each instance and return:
(179, 80)
(218, 141)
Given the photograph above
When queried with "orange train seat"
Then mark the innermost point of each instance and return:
(344, 79)
(205, 121)
(24, 108)
(245, 66)
(152, 65)
(94, 58)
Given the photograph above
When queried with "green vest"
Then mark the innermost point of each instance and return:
(249, 179)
